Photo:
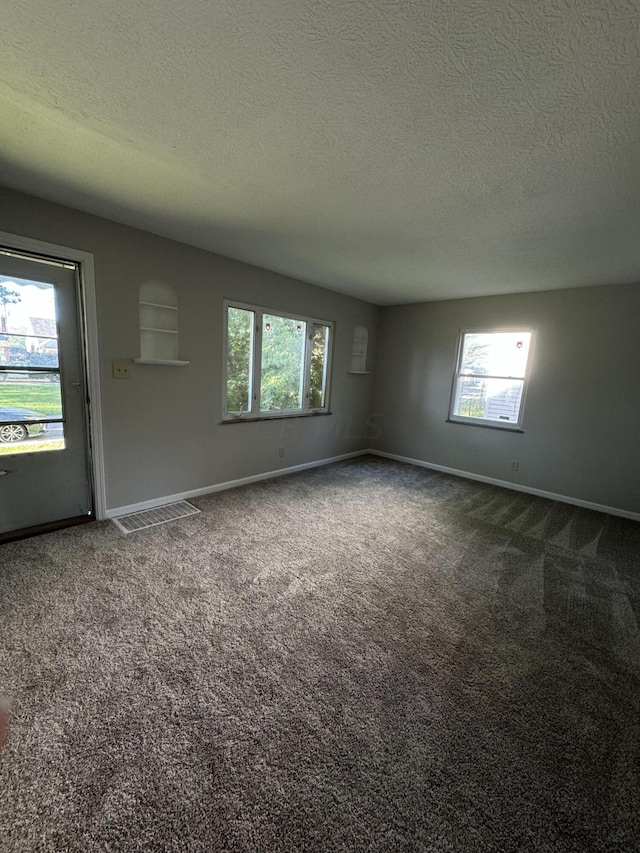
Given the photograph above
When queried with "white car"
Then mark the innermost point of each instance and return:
(17, 424)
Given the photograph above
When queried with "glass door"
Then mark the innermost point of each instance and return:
(44, 470)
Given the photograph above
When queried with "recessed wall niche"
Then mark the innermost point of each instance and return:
(359, 350)
(159, 339)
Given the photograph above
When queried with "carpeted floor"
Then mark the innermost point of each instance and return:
(362, 657)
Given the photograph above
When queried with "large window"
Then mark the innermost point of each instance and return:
(275, 364)
(489, 382)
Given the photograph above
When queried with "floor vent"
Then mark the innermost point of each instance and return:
(150, 517)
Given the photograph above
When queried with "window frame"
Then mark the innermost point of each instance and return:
(514, 426)
(255, 413)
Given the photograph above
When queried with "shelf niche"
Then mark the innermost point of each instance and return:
(158, 324)
(359, 350)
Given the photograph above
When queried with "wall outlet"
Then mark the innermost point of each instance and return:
(515, 466)
(281, 453)
(122, 368)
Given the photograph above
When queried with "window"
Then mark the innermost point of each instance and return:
(489, 382)
(275, 364)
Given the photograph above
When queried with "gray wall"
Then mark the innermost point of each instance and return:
(582, 415)
(162, 428)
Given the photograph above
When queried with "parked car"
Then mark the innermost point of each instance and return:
(17, 423)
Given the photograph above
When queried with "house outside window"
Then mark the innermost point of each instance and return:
(490, 378)
(276, 364)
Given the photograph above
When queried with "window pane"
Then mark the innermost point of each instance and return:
(27, 396)
(239, 359)
(488, 399)
(28, 351)
(283, 343)
(28, 330)
(495, 353)
(319, 354)
(31, 438)
(27, 402)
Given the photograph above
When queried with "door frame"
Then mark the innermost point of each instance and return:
(89, 325)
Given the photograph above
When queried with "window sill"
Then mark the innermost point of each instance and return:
(251, 419)
(503, 427)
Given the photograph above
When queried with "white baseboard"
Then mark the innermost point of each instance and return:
(611, 510)
(468, 475)
(230, 484)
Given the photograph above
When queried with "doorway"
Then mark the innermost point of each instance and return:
(45, 458)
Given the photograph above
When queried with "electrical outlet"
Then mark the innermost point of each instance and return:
(515, 466)
(122, 368)
(281, 452)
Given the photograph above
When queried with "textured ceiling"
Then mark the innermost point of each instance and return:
(398, 151)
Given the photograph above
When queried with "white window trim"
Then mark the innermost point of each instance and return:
(485, 422)
(256, 358)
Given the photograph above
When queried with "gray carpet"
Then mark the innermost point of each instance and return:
(363, 657)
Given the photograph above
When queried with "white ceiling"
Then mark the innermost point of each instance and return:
(397, 151)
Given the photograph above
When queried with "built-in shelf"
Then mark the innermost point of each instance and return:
(169, 361)
(159, 305)
(359, 350)
(158, 324)
(362, 372)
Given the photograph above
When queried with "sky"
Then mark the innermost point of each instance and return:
(37, 300)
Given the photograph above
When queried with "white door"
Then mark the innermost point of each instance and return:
(44, 459)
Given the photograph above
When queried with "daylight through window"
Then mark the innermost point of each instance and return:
(489, 383)
(276, 364)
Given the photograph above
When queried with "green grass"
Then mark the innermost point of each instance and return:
(43, 398)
